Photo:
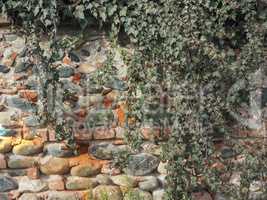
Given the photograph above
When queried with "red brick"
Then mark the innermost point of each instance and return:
(3, 164)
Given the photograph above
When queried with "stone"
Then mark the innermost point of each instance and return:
(56, 182)
(74, 57)
(51, 165)
(4, 69)
(137, 194)
(31, 121)
(7, 132)
(5, 119)
(14, 172)
(4, 196)
(7, 184)
(73, 88)
(104, 150)
(29, 185)
(21, 104)
(201, 196)
(86, 101)
(28, 147)
(149, 183)
(162, 179)
(3, 164)
(100, 117)
(158, 194)
(58, 150)
(102, 133)
(20, 162)
(109, 169)
(79, 183)
(86, 170)
(227, 153)
(87, 68)
(5, 144)
(69, 195)
(29, 196)
(22, 67)
(29, 95)
(103, 179)
(141, 164)
(65, 72)
(107, 192)
(162, 167)
(124, 180)
(117, 84)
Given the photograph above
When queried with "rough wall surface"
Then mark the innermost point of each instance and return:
(33, 165)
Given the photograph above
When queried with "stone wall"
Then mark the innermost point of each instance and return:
(34, 165)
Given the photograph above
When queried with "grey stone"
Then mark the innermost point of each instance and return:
(14, 172)
(149, 183)
(104, 150)
(74, 56)
(65, 72)
(29, 185)
(116, 84)
(7, 184)
(58, 150)
(21, 104)
(22, 67)
(20, 162)
(31, 121)
(4, 69)
(141, 164)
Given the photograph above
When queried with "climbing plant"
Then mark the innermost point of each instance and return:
(187, 56)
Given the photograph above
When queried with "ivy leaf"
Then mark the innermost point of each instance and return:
(79, 12)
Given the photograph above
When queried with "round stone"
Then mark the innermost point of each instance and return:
(5, 145)
(28, 147)
(141, 164)
(58, 150)
(85, 170)
(29, 185)
(20, 162)
(162, 168)
(107, 192)
(149, 183)
(51, 165)
(103, 179)
(79, 183)
(124, 180)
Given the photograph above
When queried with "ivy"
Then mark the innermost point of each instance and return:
(189, 52)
